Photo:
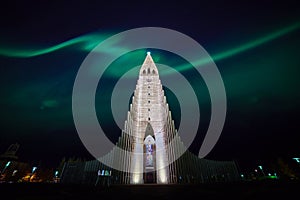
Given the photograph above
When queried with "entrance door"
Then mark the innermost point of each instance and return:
(149, 177)
(149, 158)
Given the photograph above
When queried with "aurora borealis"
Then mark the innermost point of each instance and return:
(255, 46)
(90, 41)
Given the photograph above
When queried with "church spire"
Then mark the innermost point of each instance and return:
(148, 67)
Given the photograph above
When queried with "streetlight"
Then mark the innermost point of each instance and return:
(7, 164)
(56, 179)
(32, 172)
(260, 167)
(33, 169)
(297, 160)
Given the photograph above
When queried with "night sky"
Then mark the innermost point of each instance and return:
(255, 45)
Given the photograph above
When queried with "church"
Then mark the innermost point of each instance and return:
(152, 151)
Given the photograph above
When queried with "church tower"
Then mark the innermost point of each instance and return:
(147, 123)
(150, 149)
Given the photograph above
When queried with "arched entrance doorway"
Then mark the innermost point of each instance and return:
(149, 159)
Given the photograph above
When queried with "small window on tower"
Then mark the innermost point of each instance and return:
(153, 71)
(148, 109)
(149, 118)
(148, 70)
(144, 71)
(148, 93)
(148, 86)
(148, 101)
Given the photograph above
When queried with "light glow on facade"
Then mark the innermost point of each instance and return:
(147, 119)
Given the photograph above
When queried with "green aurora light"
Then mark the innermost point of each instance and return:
(90, 41)
(87, 43)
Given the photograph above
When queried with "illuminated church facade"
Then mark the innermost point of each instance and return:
(150, 124)
(152, 146)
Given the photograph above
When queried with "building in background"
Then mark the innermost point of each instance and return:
(13, 170)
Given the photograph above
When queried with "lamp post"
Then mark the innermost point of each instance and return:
(56, 179)
(3, 170)
(7, 164)
(297, 160)
(260, 167)
(32, 172)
